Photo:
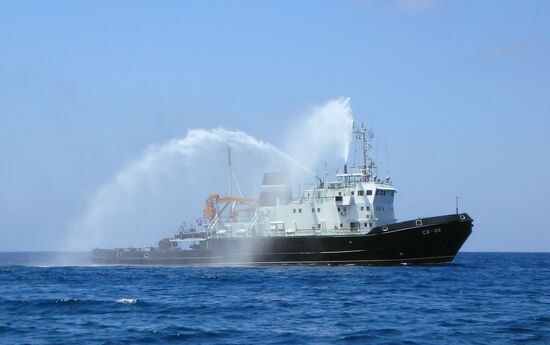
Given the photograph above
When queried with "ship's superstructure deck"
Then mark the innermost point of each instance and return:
(355, 203)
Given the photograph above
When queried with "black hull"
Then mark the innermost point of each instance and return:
(429, 240)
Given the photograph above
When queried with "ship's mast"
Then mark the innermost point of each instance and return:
(229, 166)
(364, 148)
(231, 176)
(365, 137)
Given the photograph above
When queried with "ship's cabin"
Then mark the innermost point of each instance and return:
(356, 202)
(353, 203)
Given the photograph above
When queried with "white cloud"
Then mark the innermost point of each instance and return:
(404, 6)
(518, 47)
(416, 6)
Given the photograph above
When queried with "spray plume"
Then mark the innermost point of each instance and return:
(322, 135)
(148, 199)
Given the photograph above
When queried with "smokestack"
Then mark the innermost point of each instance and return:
(275, 186)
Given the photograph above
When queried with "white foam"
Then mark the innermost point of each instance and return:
(66, 300)
(127, 300)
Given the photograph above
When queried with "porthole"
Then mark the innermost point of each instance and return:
(418, 222)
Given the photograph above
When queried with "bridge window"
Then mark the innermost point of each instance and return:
(293, 210)
(362, 208)
(369, 192)
(337, 198)
(368, 208)
(365, 225)
(338, 209)
(312, 210)
(318, 210)
(360, 192)
(299, 210)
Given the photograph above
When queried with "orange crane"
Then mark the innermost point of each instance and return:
(212, 208)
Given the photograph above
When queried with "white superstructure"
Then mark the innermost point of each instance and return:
(356, 202)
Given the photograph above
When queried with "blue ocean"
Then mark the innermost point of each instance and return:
(480, 298)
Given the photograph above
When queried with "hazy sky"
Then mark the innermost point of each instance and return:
(458, 94)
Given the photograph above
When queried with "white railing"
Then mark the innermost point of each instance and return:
(213, 223)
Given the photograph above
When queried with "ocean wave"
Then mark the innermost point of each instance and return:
(42, 304)
(67, 300)
(127, 300)
(47, 301)
(280, 304)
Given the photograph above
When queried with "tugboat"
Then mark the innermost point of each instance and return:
(347, 221)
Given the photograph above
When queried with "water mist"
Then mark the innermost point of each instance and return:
(149, 198)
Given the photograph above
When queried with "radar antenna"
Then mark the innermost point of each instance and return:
(368, 169)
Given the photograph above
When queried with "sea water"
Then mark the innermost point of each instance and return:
(480, 298)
